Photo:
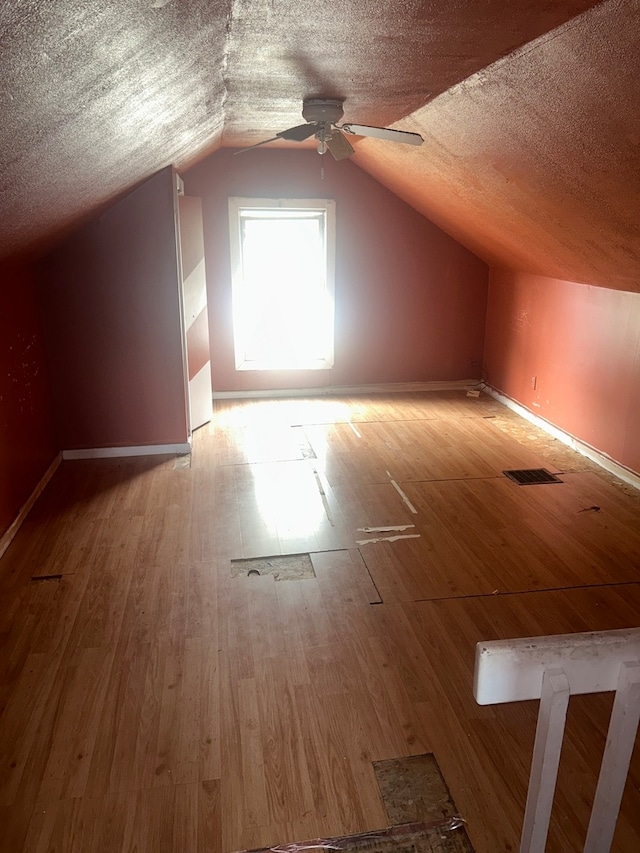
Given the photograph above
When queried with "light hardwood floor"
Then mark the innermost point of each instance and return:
(150, 701)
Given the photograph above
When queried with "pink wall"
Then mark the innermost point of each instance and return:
(410, 300)
(27, 444)
(583, 345)
(113, 326)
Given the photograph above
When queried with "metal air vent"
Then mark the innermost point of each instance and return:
(532, 476)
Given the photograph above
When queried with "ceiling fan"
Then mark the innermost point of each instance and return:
(322, 116)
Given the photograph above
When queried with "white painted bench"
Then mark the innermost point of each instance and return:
(551, 669)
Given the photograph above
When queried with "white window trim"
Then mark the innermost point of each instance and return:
(238, 204)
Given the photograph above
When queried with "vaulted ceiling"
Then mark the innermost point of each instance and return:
(534, 163)
(530, 110)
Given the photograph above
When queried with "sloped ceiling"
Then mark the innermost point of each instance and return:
(534, 163)
(96, 96)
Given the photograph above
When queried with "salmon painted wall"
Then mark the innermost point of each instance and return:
(113, 326)
(582, 344)
(410, 300)
(27, 444)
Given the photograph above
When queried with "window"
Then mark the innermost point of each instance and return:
(282, 267)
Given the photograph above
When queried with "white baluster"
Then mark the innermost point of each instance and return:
(615, 761)
(552, 715)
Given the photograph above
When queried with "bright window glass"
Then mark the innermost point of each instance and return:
(282, 257)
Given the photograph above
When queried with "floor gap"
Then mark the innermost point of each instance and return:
(280, 567)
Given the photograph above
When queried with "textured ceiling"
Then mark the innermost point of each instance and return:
(534, 163)
(96, 96)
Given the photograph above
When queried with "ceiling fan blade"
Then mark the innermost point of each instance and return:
(383, 133)
(339, 145)
(293, 134)
(257, 145)
(298, 133)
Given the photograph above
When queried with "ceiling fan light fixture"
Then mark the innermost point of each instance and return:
(323, 132)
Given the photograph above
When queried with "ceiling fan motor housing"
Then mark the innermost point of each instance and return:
(327, 110)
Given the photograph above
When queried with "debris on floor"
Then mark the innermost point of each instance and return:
(387, 538)
(183, 460)
(441, 836)
(388, 529)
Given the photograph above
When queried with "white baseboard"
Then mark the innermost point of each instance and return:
(627, 475)
(140, 450)
(9, 535)
(346, 390)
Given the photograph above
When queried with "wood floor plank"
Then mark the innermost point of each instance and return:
(290, 618)
(210, 820)
(26, 724)
(335, 793)
(213, 513)
(287, 782)
(254, 777)
(75, 728)
(113, 761)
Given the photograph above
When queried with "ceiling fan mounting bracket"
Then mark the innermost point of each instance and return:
(327, 110)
